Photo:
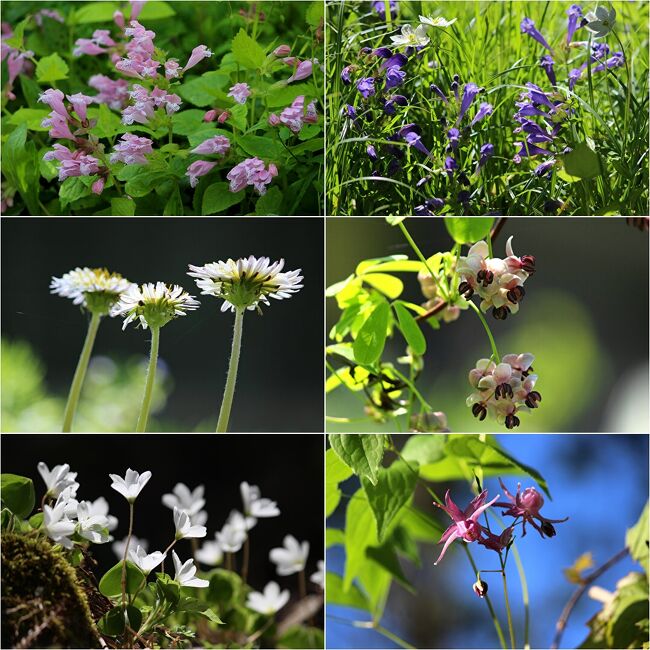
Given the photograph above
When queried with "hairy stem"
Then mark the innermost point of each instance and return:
(151, 377)
(231, 380)
(80, 373)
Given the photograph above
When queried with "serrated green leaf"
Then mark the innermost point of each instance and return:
(315, 14)
(468, 230)
(218, 197)
(362, 452)
(203, 90)
(410, 329)
(261, 147)
(269, 204)
(16, 40)
(72, 189)
(50, 69)
(108, 123)
(156, 10)
(247, 52)
(17, 493)
(371, 338)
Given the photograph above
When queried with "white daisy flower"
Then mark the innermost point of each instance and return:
(154, 304)
(436, 22)
(94, 289)
(411, 37)
(269, 602)
(246, 282)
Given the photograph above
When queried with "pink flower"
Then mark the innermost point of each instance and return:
(58, 126)
(199, 53)
(219, 144)
(131, 150)
(172, 103)
(73, 163)
(303, 71)
(171, 69)
(98, 186)
(138, 62)
(48, 13)
(311, 115)
(80, 103)
(274, 120)
(17, 62)
(251, 172)
(198, 169)
(240, 92)
(98, 44)
(282, 50)
(114, 93)
(210, 116)
(118, 18)
(223, 117)
(136, 8)
(54, 99)
(292, 116)
(527, 505)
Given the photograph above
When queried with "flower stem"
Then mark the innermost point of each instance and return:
(231, 380)
(493, 345)
(126, 552)
(151, 377)
(80, 373)
(169, 548)
(393, 637)
(244, 566)
(302, 584)
(508, 612)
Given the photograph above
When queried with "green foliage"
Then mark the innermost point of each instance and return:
(111, 582)
(218, 198)
(247, 52)
(335, 472)
(361, 453)
(17, 493)
(20, 166)
(582, 162)
(467, 230)
(302, 637)
(410, 329)
(51, 69)
(636, 540)
(371, 337)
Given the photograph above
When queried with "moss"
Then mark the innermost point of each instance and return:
(44, 604)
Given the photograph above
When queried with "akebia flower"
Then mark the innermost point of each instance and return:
(246, 282)
(185, 573)
(154, 305)
(131, 485)
(503, 390)
(527, 505)
(270, 601)
(290, 558)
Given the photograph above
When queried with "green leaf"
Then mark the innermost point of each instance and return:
(270, 203)
(17, 494)
(32, 117)
(335, 472)
(31, 91)
(21, 166)
(36, 521)
(247, 52)
(188, 122)
(122, 207)
(389, 285)
(218, 198)
(362, 452)
(582, 162)
(336, 595)
(394, 221)
(225, 588)
(156, 10)
(6, 520)
(203, 90)
(468, 230)
(111, 583)
(360, 532)
(420, 526)
(334, 537)
(371, 338)
(264, 148)
(410, 329)
(72, 189)
(280, 94)
(194, 605)
(636, 539)
(108, 123)
(405, 544)
(96, 12)
(112, 623)
(386, 558)
(300, 636)
(174, 205)
(167, 589)
(17, 39)
(375, 582)
(424, 449)
(391, 492)
(315, 14)
(50, 69)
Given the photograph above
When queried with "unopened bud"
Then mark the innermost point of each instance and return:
(210, 116)
(282, 50)
(480, 588)
(274, 120)
(548, 529)
(223, 117)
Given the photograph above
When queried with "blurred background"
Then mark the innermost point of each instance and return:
(279, 386)
(584, 318)
(445, 612)
(220, 463)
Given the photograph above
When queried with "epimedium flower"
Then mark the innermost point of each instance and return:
(465, 525)
(600, 22)
(58, 479)
(146, 563)
(254, 504)
(270, 601)
(527, 505)
(185, 573)
(240, 92)
(246, 282)
(131, 485)
(291, 557)
(154, 305)
(184, 527)
(410, 37)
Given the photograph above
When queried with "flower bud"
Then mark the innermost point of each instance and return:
(118, 17)
(548, 529)
(282, 50)
(210, 116)
(223, 117)
(274, 120)
(480, 588)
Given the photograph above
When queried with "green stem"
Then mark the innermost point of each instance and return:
(80, 373)
(126, 551)
(493, 345)
(628, 92)
(393, 637)
(507, 601)
(231, 380)
(141, 427)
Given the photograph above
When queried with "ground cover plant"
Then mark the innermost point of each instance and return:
(408, 513)
(152, 108)
(471, 108)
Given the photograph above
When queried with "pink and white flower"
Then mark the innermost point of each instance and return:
(199, 53)
(80, 104)
(131, 150)
(251, 171)
(198, 169)
(219, 144)
(240, 93)
(304, 70)
(113, 92)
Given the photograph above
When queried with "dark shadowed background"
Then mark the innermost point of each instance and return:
(280, 380)
(288, 469)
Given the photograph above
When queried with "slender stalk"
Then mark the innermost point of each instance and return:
(231, 380)
(151, 377)
(302, 584)
(493, 345)
(169, 548)
(126, 552)
(393, 637)
(244, 567)
(511, 629)
(80, 373)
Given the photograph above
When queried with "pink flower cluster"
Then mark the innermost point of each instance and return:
(139, 50)
(73, 163)
(251, 172)
(219, 145)
(502, 390)
(295, 116)
(98, 44)
(146, 102)
(114, 93)
(240, 93)
(60, 119)
(17, 62)
(499, 282)
(131, 150)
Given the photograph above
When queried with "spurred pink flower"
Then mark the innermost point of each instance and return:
(240, 93)
(199, 53)
(198, 169)
(311, 114)
(131, 150)
(251, 172)
(139, 50)
(219, 144)
(296, 115)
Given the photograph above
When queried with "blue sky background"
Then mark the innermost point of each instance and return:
(599, 481)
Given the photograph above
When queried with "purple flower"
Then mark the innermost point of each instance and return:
(80, 103)
(544, 167)
(574, 77)
(469, 93)
(394, 61)
(304, 70)
(450, 165)
(615, 61)
(240, 93)
(547, 63)
(453, 135)
(198, 169)
(366, 87)
(394, 77)
(429, 207)
(537, 96)
(54, 99)
(411, 134)
(58, 126)
(131, 150)
(379, 7)
(251, 172)
(389, 104)
(345, 75)
(487, 151)
(573, 12)
(73, 163)
(383, 52)
(434, 89)
(463, 196)
(484, 110)
(372, 154)
(528, 27)
(171, 69)
(527, 149)
(219, 144)
(199, 53)
(351, 111)
(114, 93)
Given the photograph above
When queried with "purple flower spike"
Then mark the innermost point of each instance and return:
(450, 165)
(366, 86)
(469, 93)
(547, 63)
(484, 110)
(528, 27)
(615, 61)
(411, 134)
(573, 12)
(537, 95)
